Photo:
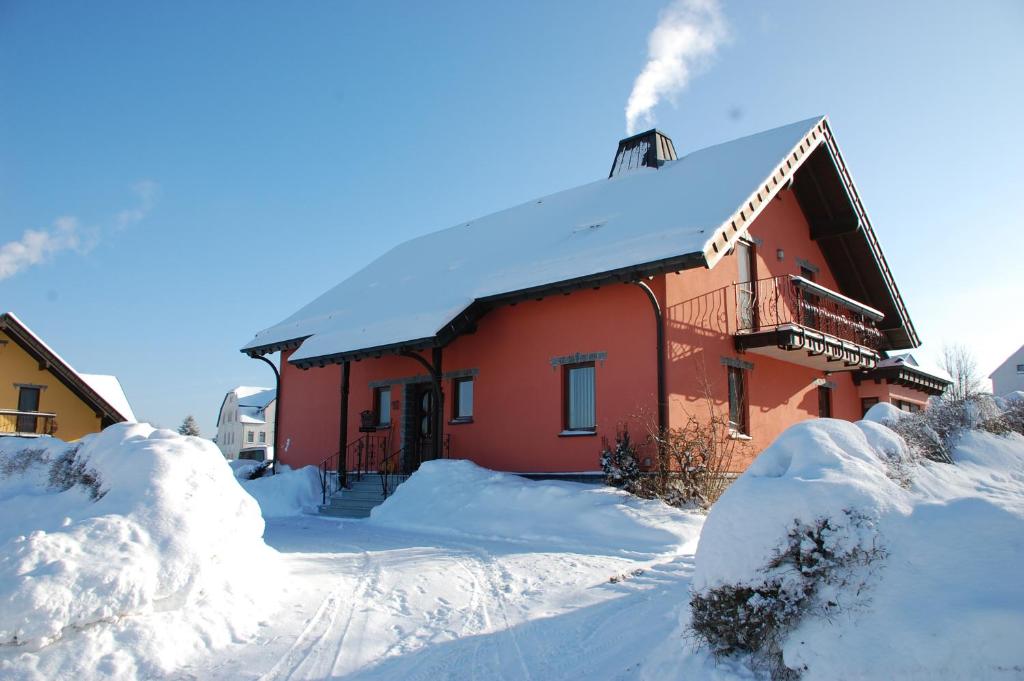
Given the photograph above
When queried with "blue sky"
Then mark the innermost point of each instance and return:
(224, 163)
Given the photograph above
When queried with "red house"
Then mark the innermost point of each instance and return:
(749, 269)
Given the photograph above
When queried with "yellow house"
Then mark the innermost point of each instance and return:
(41, 394)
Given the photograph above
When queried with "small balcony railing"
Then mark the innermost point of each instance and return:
(27, 423)
(767, 304)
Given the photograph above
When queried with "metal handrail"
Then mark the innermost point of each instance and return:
(362, 456)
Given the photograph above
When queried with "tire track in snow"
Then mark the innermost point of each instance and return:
(487, 569)
(308, 647)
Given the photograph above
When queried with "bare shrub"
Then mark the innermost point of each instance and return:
(68, 470)
(17, 463)
(959, 362)
(933, 433)
(694, 461)
(813, 564)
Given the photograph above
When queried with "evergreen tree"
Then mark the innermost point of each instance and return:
(189, 426)
(620, 464)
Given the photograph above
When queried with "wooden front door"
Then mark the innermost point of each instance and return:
(423, 433)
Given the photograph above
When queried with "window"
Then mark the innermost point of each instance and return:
(580, 398)
(824, 402)
(28, 400)
(1020, 368)
(382, 405)
(263, 436)
(903, 405)
(866, 403)
(746, 264)
(739, 417)
(248, 436)
(462, 394)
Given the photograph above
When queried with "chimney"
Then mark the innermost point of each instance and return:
(650, 149)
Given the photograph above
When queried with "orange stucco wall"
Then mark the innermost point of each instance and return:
(518, 394)
(701, 321)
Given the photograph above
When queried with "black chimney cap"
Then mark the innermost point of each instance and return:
(650, 149)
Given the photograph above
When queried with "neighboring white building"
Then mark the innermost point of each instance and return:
(245, 426)
(1009, 375)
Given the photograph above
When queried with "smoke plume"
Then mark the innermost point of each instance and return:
(687, 36)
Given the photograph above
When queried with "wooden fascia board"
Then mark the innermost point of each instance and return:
(729, 232)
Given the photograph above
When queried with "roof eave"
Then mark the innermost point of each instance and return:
(468, 317)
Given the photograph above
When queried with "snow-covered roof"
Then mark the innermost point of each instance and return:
(252, 403)
(907, 359)
(252, 396)
(641, 217)
(110, 389)
(106, 387)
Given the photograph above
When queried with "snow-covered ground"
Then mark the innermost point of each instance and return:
(373, 602)
(469, 574)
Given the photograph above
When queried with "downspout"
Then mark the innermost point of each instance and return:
(660, 342)
(277, 409)
(439, 403)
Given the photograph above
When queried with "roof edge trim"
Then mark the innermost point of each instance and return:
(735, 226)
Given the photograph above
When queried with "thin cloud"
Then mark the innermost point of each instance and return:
(146, 191)
(687, 35)
(38, 246)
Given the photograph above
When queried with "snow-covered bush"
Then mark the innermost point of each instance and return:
(457, 497)
(932, 433)
(619, 463)
(842, 553)
(134, 546)
(290, 492)
(817, 562)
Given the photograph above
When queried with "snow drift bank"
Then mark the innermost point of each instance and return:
(915, 565)
(463, 499)
(122, 554)
(289, 492)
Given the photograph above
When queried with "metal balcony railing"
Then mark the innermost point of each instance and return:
(27, 423)
(767, 304)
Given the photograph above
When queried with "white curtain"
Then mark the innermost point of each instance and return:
(581, 398)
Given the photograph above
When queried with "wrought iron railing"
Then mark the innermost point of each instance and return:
(362, 456)
(27, 423)
(769, 303)
(369, 456)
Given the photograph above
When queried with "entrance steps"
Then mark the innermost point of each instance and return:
(360, 498)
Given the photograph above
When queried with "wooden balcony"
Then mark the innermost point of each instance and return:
(796, 320)
(27, 423)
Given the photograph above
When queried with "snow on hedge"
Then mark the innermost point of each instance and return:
(123, 554)
(460, 498)
(930, 586)
(289, 492)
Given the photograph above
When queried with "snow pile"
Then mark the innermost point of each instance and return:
(462, 499)
(123, 554)
(290, 492)
(918, 563)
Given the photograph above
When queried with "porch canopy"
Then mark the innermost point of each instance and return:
(687, 213)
